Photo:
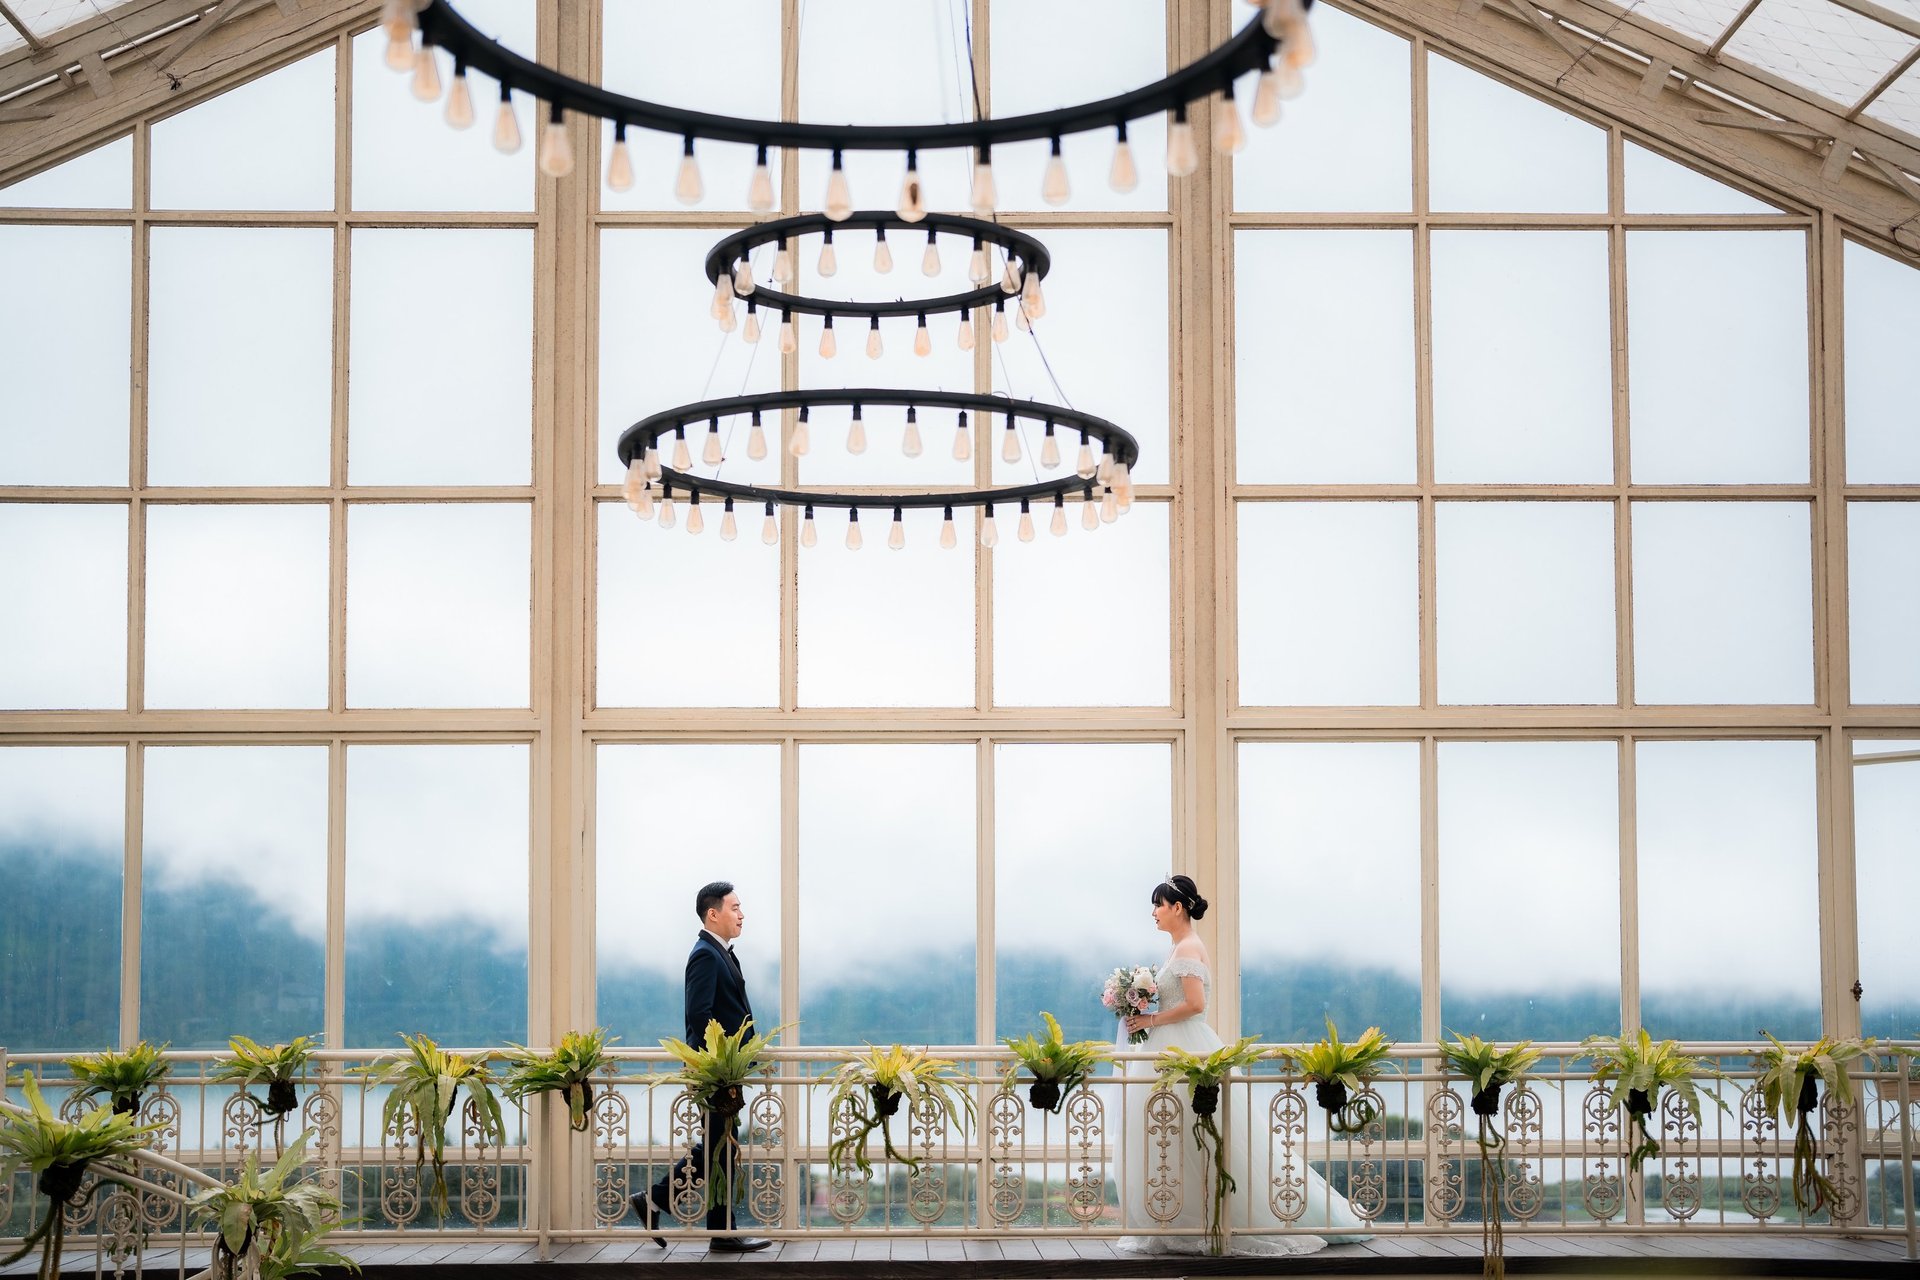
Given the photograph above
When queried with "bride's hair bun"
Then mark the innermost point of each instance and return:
(1183, 890)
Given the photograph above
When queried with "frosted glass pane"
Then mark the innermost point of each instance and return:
(1113, 853)
(63, 634)
(1323, 357)
(63, 403)
(441, 393)
(1525, 602)
(1317, 818)
(237, 606)
(1886, 813)
(437, 605)
(1883, 314)
(725, 653)
(437, 945)
(98, 179)
(656, 844)
(1029, 74)
(210, 155)
(1728, 842)
(1656, 184)
(659, 347)
(1522, 358)
(1495, 149)
(1724, 402)
(885, 62)
(233, 894)
(1114, 577)
(721, 56)
(1105, 337)
(1347, 142)
(404, 154)
(224, 408)
(1883, 609)
(1339, 626)
(1515, 819)
(886, 628)
(855, 802)
(62, 849)
(1722, 602)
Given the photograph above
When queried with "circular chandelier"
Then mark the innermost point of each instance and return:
(1278, 46)
(1024, 263)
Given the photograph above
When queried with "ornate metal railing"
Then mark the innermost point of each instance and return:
(1015, 1170)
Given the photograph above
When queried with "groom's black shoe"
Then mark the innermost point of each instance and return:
(643, 1205)
(737, 1244)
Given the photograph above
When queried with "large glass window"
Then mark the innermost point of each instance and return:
(63, 634)
(1886, 813)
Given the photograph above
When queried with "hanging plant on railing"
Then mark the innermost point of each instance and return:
(123, 1076)
(715, 1075)
(1643, 1067)
(1490, 1068)
(1340, 1074)
(567, 1069)
(424, 1082)
(281, 1068)
(1057, 1067)
(58, 1153)
(1203, 1075)
(267, 1228)
(871, 1087)
(1796, 1075)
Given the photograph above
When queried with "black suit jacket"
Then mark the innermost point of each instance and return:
(715, 990)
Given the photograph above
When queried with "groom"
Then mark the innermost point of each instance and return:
(716, 991)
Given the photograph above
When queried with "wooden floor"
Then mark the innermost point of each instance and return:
(1615, 1254)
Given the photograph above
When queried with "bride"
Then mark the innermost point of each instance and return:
(1185, 984)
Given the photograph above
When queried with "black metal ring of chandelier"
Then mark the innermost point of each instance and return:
(724, 258)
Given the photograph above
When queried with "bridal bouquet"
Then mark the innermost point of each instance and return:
(1129, 992)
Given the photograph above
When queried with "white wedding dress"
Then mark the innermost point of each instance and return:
(1248, 1210)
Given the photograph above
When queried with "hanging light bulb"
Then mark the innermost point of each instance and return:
(770, 527)
(1103, 472)
(666, 508)
(1054, 188)
(966, 332)
(1058, 525)
(854, 541)
(1010, 442)
(1000, 321)
(875, 349)
(802, 438)
(682, 456)
(743, 276)
(930, 260)
(910, 441)
(882, 255)
(1109, 508)
(729, 527)
(948, 537)
(722, 301)
(829, 261)
(400, 47)
(643, 504)
(912, 206)
(1010, 279)
(1277, 15)
(1084, 465)
(989, 531)
(1089, 511)
(782, 262)
(426, 74)
(1026, 522)
(687, 187)
(506, 126)
(1123, 176)
(1297, 48)
(1033, 303)
(828, 347)
(1229, 135)
(727, 320)
(634, 482)
(962, 440)
(857, 433)
(922, 340)
(839, 205)
(696, 523)
(751, 330)
(789, 337)
(396, 19)
(620, 161)
(1123, 485)
(1183, 157)
(756, 439)
(1019, 319)
(556, 148)
(760, 185)
(1050, 450)
(979, 270)
(808, 534)
(652, 456)
(1290, 84)
(984, 195)
(1266, 98)
(710, 453)
(897, 535)
(459, 100)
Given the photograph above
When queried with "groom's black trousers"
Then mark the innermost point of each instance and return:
(693, 1166)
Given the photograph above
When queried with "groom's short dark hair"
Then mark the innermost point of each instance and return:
(711, 896)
